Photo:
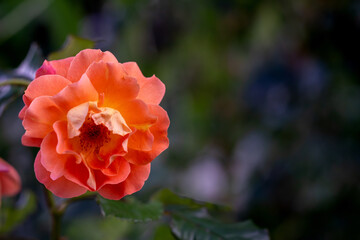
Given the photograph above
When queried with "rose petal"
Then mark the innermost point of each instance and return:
(161, 142)
(78, 173)
(76, 118)
(40, 116)
(61, 187)
(51, 160)
(83, 59)
(43, 86)
(133, 183)
(76, 94)
(111, 80)
(30, 141)
(62, 66)
(117, 172)
(59, 67)
(112, 120)
(45, 69)
(141, 140)
(136, 112)
(152, 90)
(117, 146)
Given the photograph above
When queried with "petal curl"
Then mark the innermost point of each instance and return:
(61, 187)
(133, 183)
(83, 60)
(161, 141)
(152, 90)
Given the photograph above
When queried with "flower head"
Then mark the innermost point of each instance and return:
(97, 122)
(10, 183)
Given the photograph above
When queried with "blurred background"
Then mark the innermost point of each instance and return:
(263, 97)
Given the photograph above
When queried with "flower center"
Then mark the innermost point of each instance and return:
(93, 136)
(93, 127)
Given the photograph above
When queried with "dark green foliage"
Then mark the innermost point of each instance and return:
(183, 216)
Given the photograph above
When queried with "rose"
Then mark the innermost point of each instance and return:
(97, 122)
(10, 183)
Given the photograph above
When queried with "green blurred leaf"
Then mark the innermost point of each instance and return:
(170, 199)
(94, 228)
(10, 216)
(132, 209)
(163, 232)
(188, 227)
(72, 46)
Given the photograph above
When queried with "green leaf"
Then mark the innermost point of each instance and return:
(132, 209)
(189, 227)
(171, 200)
(163, 232)
(94, 228)
(10, 216)
(72, 46)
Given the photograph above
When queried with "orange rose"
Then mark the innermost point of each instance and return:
(10, 183)
(97, 122)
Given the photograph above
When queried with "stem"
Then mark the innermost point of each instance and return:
(15, 81)
(58, 211)
(55, 215)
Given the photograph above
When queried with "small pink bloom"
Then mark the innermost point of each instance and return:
(10, 183)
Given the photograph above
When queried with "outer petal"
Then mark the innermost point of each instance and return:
(30, 141)
(161, 141)
(62, 66)
(10, 183)
(43, 86)
(40, 116)
(61, 187)
(134, 182)
(45, 69)
(59, 67)
(83, 60)
(111, 80)
(152, 90)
